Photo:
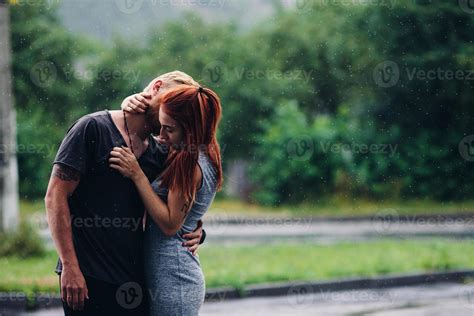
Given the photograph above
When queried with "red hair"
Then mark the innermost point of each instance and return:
(198, 111)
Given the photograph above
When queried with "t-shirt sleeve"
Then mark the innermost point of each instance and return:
(78, 146)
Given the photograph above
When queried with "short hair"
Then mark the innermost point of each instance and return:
(176, 77)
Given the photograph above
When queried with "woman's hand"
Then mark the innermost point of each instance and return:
(123, 160)
(136, 103)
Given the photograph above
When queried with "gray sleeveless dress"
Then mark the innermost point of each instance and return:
(174, 279)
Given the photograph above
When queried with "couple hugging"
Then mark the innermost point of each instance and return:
(126, 197)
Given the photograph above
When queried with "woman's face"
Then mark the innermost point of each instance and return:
(171, 132)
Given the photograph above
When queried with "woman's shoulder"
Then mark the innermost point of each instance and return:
(207, 169)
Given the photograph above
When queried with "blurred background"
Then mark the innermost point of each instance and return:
(347, 134)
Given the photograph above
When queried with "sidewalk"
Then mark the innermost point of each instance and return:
(225, 229)
(442, 299)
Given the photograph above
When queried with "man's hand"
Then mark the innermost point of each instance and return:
(73, 287)
(193, 239)
(136, 103)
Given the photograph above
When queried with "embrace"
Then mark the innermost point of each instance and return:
(126, 197)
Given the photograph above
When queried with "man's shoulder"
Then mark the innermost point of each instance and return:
(97, 119)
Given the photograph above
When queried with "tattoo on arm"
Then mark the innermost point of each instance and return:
(66, 173)
(184, 209)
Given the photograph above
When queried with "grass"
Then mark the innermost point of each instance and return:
(335, 206)
(238, 266)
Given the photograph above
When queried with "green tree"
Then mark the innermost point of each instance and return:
(46, 97)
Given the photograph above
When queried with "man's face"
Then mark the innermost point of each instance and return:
(156, 89)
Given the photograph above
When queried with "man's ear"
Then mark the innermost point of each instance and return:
(157, 85)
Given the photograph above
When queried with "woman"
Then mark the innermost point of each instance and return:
(179, 198)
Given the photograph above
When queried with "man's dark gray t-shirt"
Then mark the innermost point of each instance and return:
(106, 209)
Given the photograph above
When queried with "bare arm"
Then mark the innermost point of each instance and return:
(168, 216)
(62, 184)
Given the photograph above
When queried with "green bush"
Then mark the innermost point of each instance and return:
(23, 243)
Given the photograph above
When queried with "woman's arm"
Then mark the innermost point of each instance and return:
(136, 103)
(169, 217)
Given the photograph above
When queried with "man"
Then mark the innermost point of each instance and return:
(96, 215)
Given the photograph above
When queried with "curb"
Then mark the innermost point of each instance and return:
(19, 301)
(389, 281)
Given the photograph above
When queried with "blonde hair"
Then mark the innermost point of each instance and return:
(174, 78)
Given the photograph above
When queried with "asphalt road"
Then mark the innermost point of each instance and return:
(442, 299)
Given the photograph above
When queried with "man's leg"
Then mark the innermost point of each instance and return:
(93, 305)
(103, 301)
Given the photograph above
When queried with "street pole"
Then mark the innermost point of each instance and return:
(9, 214)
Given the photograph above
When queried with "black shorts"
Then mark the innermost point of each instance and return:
(109, 299)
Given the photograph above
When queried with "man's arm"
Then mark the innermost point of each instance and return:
(195, 238)
(62, 184)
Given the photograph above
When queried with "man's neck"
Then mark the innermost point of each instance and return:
(137, 125)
